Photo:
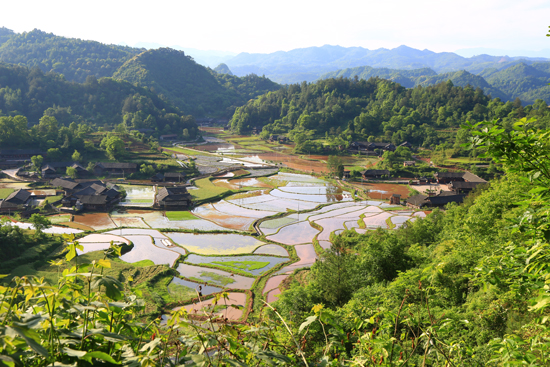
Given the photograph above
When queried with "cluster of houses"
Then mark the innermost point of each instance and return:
(460, 184)
(367, 147)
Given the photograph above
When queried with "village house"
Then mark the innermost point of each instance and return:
(168, 137)
(115, 169)
(173, 198)
(375, 173)
(463, 187)
(89, 195)
(57, 169)
(448, 177)
(420, 201)
(365, 146)
(409, 164)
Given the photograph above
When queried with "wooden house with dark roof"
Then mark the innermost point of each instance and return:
(103, 168)
(20, 154)
(463, 187)
(18, 197)
(174, 177)
(157, 177)
(375, 173)
(447, 177)
(420, 201)
(173, 198)
(92, 202)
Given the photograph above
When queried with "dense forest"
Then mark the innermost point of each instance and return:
(375, 109)
(76, 59)
(191, 87)
(33, 94)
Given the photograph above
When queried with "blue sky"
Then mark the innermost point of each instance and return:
(260, 26)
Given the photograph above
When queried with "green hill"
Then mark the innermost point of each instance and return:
(526, 82)
(74, 58)
(223, 69)
(5, 34)
(191, 87)
(32, 93)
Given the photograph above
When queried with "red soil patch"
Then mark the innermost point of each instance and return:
(388, 190)
(295, 162)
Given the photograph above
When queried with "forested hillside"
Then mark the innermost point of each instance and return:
(31, 93)
(374, 108)
(74, 58)
(190, 86)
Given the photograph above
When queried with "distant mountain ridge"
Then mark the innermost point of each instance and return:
(518, 80)
(310, 63)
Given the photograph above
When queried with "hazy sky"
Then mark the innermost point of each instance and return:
(262, 26)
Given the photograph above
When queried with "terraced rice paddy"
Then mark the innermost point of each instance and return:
(97, 221)
(206, 264)
(215, 244)
(222, 309)
(252, 264)
(215, 277)
(191, 289)
(295, 234)
(144, 249)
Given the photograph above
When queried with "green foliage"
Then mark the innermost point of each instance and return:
(32, 94)
(190, 86)
(180, 215)
(114, 146)
(76, 59)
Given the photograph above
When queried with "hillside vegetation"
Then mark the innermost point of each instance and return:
(191, 87)
(32, 93)
(374, 109)
(76, 59)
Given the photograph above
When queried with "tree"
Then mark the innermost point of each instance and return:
(54, 154)
(37, 162)
(333, 164)
(114, 146)
(76, 156)
(147, 170)
(39, 223)
(71, 172)
(334, 273)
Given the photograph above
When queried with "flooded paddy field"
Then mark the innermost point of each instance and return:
(137, 195)
(202, 258)
(222, 309)
(295, 234)
(97, 221)
(190, 289)
(252, 264)
(214, 244)
(215, 277)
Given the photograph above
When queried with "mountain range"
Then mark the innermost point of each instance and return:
(179, 78)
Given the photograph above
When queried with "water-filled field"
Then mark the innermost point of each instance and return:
(307, 209)
(137, 195)
(213, 244)
(252, 264)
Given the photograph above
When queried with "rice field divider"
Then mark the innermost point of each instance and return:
(390, 224)
(361, 221)
(227, 269)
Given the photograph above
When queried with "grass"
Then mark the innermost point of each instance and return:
(217, 278)
(60, 218)
(185, 151)
(143, 263)
(51, 199)
(141, 201)
(4, 193)
(243, 265)
(207, 190)
(180, 215)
